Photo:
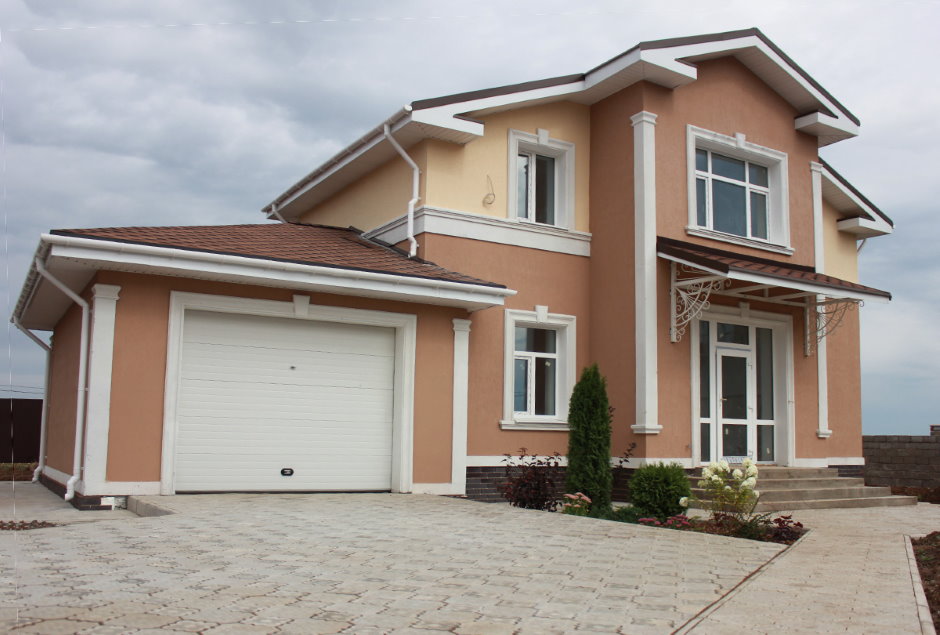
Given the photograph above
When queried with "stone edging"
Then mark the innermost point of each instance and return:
(699, 617)
(144, 509)
(923, 609)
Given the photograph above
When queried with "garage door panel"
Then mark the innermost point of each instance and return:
(243, 413)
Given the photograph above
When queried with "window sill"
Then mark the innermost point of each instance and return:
(553, 425)
(738, 240)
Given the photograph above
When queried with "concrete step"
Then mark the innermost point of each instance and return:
(816, 493)
(807, 483)
(837, 503)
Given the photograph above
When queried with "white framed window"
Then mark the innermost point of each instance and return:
(539, 369)
(541, 179)
(737, 191)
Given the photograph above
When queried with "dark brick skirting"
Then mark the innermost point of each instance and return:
(84, 503)
(902, 461)
(483, 483)
(854, 471)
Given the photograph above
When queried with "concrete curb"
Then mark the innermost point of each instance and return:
(923, 609)
(144, 509)
(690, 625)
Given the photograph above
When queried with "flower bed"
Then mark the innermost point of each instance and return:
(22, 525)
(16, 471)
(927, 553)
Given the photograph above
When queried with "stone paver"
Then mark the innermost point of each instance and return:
(849, 575)
(361, 563)
(379, 563)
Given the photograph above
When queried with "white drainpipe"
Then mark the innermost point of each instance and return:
(415, 183)
(82, 372)
(45, 396)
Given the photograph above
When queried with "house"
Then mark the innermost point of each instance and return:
(666, 215)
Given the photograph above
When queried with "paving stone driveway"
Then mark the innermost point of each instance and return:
(362, 563)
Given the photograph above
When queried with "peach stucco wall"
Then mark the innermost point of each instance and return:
(845, 388)
(558, 281)
(841, 248)
(137, 387)
(63, 395)
(727, 98)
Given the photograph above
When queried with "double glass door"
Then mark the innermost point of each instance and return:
(737, 394)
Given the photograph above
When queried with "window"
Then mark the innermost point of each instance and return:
(737, 191)
(539, 369)
(541, 179)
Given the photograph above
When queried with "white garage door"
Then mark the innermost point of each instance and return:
(261, 395)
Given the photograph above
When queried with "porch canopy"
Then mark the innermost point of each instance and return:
(698, 272)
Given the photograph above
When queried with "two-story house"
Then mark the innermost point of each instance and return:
(429, 295)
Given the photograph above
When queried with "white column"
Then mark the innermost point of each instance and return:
(644, 200)
(822, 363)
(98, 413)
(458, 461)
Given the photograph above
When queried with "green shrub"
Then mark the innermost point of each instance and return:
(625, 514)
(655, 490)
(589, 419)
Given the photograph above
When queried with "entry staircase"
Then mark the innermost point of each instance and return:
(786, 488)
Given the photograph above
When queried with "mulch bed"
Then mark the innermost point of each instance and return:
(23, 525)
(17, 471)
(927, 552)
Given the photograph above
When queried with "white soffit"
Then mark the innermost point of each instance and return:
(864, 221)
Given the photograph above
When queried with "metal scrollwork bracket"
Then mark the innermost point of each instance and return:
(688, 297)
(822, 317)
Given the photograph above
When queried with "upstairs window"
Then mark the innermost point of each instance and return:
(541, 179)
(737, 191)
(731, 195)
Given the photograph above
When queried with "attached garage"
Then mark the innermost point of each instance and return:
(283, 404)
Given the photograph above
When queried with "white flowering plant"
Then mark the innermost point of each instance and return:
(729, 491)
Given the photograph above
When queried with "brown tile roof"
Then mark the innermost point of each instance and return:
(320, 245)
(727, 262)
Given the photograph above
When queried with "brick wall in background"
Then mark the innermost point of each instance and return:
(903, 461)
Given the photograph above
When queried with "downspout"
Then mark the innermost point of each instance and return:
(45, 396)
(82, 378)
(415, 184)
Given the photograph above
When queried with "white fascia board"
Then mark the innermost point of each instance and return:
(809, 287)
(863, 227)
(823, 125)
(169, 261)
(874, 224)
(445, 116)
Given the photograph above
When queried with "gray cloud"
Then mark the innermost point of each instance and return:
(188, 124)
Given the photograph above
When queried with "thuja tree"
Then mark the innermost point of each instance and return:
(589, 419)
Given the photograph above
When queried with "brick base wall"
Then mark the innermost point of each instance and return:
(854, 471)
(483, 483)
(902, 461)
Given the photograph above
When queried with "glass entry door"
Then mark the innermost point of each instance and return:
(737, 392)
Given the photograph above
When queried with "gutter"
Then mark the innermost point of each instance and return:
(82, 378)
(415, 185)
(45, 396)
(180, 256)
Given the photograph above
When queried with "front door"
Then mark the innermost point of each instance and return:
(737, 392)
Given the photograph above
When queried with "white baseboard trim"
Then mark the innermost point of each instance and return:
(56, 475)
(124, 488)
(438, 489)
(826, 462)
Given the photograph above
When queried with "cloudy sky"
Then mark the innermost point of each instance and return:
(119, 112)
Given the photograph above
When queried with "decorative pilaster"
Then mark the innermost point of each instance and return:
(98, 412)
(819, 257)
(458, 462)
(644, 202)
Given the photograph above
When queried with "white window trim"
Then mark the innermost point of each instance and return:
(778, 200)
(563, 153)
(565, 325)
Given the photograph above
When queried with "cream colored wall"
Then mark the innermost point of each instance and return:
(454, 176)
(376, 198)
(457, 175)
(840, 247)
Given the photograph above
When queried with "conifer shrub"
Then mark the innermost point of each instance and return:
(589, 418)
(655, 490)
